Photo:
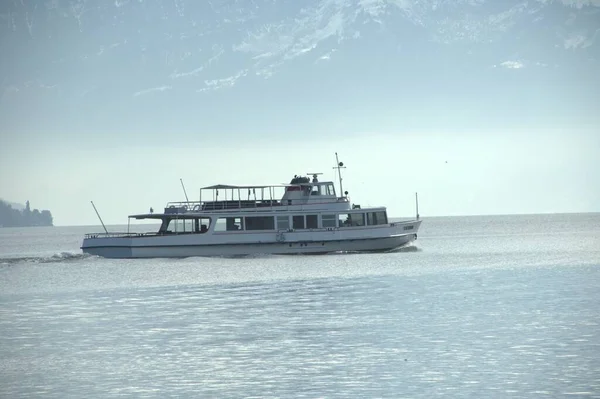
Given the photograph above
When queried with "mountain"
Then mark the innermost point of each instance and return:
(96, 66)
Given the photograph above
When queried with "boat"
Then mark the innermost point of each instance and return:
(309, 217)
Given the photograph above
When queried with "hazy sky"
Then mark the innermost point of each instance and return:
(115, 102)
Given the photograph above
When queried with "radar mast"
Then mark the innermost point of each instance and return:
(339, 167)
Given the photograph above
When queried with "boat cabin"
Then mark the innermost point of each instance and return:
(302, 191)
(303, 204)
(194, 224)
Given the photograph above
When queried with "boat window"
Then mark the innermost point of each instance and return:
(344, 220)
(177, 226)
(330, 189)
(229, 224)
(316, 190)
(375, 218)
(235, 224)
(220, 224)
(371, 219)
(260, 222)
(312, 222)
(358, 219)
(201, 225)
(328, 220)
(351, 219)
(298, 222)
(283, 222)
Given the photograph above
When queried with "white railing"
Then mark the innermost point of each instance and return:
(116, 235)
(238, 206)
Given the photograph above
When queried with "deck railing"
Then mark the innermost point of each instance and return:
(117, 235)
(242, 205)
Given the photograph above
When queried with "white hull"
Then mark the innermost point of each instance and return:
(184, 251)
(379, 238)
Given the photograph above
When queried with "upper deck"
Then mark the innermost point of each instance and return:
(300, 194)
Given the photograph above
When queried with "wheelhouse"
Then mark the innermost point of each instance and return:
(225, 197)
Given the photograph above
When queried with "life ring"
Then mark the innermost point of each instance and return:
(196, 208)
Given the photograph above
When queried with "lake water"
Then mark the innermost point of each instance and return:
(480, 307)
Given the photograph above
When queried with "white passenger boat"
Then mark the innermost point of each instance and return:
(308, 218)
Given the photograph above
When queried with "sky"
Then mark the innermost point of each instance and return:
(480, 107)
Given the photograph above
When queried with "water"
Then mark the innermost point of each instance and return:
(503, 306)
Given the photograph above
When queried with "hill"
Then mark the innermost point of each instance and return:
(13, 217)
(14, 205)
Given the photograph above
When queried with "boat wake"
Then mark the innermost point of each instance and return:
(407, 248)
(58, 257)
(249, 256)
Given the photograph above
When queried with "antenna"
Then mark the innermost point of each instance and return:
(417, 204)
(97, 214)
(340, 165)
(186, 197)
(314, 175)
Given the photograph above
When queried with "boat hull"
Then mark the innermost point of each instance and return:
(278, 248)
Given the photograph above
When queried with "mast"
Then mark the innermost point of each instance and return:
(97, 214)
(417, 204)
(186, 197)
(339, 166)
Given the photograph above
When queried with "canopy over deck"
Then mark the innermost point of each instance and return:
(157, 216)
(230, 186)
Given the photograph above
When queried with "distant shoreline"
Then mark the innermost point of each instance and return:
(13, 217)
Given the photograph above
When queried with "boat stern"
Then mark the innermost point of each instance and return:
(107, 245)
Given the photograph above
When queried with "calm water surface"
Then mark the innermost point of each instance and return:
(503, 307)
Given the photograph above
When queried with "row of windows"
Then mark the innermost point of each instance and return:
(180, 226)
(322, 189)
(300, 222)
